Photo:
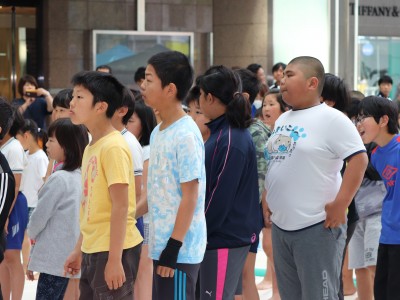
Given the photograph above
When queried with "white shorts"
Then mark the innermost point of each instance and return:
(363, 246)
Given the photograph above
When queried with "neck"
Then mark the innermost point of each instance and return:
(100, 128)
(170, 114)
(384, 139)
(33, 148)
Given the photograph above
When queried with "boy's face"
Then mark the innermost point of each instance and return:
(81, 106)
(367, 128)
(151, 88)
(294, 86)
(385, 88)
(60, 112)
(278, 75)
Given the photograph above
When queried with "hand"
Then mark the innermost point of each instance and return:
(42, 92)
(29, 100)
(335, 214)
(165, 271)
(267, 217)
(29, 275)
(72, 265)
(114, 274)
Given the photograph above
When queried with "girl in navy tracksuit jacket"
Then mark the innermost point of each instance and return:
(232, 207)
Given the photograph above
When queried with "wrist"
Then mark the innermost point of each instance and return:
(169, 256)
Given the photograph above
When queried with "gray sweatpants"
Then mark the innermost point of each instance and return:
(308, 261)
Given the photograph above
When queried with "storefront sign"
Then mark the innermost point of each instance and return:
(376, 11)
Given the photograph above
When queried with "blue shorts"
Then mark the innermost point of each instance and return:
(17, 223)
(140, 226)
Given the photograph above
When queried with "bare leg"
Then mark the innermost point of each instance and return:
(72, 292)
(266, 283)
(144, 279)
(26, 248)
(16, 275)
(347, 277)
(5, 281)
(365, 289)
(249, 280)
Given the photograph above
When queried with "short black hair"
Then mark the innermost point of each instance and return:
(192, 96)
(353, 108)
(6, 116)
(385, 79)
(63, 98)
(250, 83)
(17, 124)
(357, 94)
(311, 67)
(254, 68)
(378, 107)
(104, 67)
(24, 79)
(73, 139)
(148, 121)
(128, 100)
(173, 67)
(140, 74)
(103, 86)
(277, 66)
(335, 89)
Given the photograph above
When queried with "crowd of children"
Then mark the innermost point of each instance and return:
(139, 199)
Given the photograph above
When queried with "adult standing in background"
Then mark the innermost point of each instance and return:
(35, 103)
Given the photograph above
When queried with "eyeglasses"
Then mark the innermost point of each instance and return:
(360, 119)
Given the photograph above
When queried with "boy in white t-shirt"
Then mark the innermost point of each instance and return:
(305, 191)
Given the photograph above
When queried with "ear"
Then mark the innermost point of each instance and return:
(101, 106)
(172, 91)
(122, 111)
(313, 83)
(383, 121)
(1, 129)
(210, 98)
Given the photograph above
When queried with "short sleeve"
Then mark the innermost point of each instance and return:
(190, 157)
(344, 140)
(16, 158)
(117, 164)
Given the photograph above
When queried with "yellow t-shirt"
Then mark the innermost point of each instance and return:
(105, 163)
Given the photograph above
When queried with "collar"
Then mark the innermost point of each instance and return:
(218, 123)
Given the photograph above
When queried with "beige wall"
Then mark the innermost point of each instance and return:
(240, 32)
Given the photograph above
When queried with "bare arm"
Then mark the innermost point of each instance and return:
(142, 207)
(184, 218)
(47, 96)
(352, 177)
(114, 271)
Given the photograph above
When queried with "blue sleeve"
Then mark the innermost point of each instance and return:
(190, 157)
(226, 174)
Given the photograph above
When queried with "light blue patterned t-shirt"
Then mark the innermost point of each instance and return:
(176, 156)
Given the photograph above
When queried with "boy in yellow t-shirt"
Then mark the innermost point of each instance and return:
(108, 250)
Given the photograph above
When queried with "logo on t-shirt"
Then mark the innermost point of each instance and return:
(388, 174)
(283, 141)
(90, 175)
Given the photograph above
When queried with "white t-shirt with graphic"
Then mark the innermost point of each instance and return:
(305, 155)
(177, 156)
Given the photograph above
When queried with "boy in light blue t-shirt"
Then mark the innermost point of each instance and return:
(176, 180)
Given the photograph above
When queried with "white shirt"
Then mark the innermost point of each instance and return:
(305, 155)
(136, 151)
(15, 156)
(33, 176)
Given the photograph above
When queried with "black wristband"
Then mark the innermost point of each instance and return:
(169, 256)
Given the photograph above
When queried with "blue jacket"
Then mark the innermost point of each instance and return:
(232, 209)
